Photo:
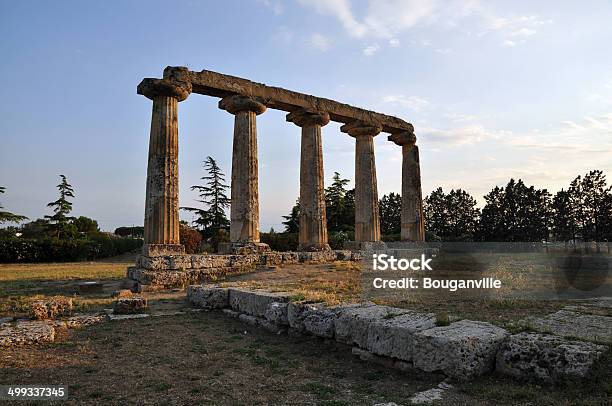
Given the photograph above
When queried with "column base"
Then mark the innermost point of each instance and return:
(243, 248)
(314, 247)
(160, 250)
(365, 245)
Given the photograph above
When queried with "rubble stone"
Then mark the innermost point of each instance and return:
(130, 305)
(26, 332)
(51, 308)
(209, 297)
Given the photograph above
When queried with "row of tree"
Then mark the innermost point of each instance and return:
(517, 212)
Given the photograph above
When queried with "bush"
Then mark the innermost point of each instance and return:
(55, 250)
(280, 241)
(190, 238)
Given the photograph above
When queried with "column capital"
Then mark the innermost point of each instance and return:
(152, 88)
(359, 128)
(237, 103)
(403, 138)
(305, 117)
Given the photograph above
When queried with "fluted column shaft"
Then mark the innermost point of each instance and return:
(313, 220)
(413, 220)
(367, 217)
(244, 226)
(161, 222)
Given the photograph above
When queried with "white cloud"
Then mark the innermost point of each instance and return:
(276, 6)
(371, 50)
(320, 42)
(508, 43)
(394, 42)
(414, 103)
(387, 19)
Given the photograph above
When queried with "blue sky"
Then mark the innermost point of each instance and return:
(495, 89)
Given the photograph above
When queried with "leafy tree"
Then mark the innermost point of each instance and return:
(292, 221)
(137, 231)
(516, 213)
(86, 225)
(59, 222)
(564, 222)
(213, 196)
(390, 214)
(8, 217)
(451, 217)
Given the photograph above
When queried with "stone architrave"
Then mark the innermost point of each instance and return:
(413, 221)
(244, 226)
(367, 218)
(313, 222)
(161, 223)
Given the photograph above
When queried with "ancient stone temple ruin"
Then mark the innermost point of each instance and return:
(164, 262)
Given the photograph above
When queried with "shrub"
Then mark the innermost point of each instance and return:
(190, 238)
(55, 250)
(280, 241)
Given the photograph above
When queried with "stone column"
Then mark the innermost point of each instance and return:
(161, 222)
(413, 221)
(367, 219)
(244, 227)
(313, 222)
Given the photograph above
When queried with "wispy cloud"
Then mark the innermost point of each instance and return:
(319, 41)
(371, 49)
(415, 103)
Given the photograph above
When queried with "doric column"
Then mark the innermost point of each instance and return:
(161, 223)
(413, 221)
(313, 222)
(244, 226)
(367, 219)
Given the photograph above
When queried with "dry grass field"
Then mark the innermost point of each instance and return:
(209, 358)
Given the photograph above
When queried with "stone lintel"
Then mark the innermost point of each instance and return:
(219, 85)
(152, 88)
(403, 138)
(359, 128)
(305, 117)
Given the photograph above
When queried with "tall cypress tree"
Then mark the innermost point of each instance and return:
(213, 196)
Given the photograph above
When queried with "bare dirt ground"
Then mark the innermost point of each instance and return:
(209, 358)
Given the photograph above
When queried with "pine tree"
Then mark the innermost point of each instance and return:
(336, 204)
(213, 196)
(292, 221)
(451, 217)
(390, 214)
(564, 224)
(59, 222)
(8, 217)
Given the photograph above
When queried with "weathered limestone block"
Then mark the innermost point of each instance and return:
(392, 336)
(314, 318)
(260, 322)
(343, 255)
(209, 297)
(162, 250)
(51, 308)
(244, 260)
(272, 259)
(153, 263)
(546, 358)
(26, 332)
(353, 321)
(130, 305)
(571, 324)
(181, 262)
(210, 261)
(462, 350)
(276, 313)
(254, 303)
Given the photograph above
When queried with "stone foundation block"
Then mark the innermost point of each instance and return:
(26, 332)
(276, 313)
(208, 297)
(532, 356)
(260, 322)
(210, 261)
(571, 324)
(353, 321)
(392, 336)
(290, 257)
(365, 245)
(254, 303)
(160, 250)
(51, 308)
(130, 305)
(153, 263)
(313, 318)
(462, 350)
